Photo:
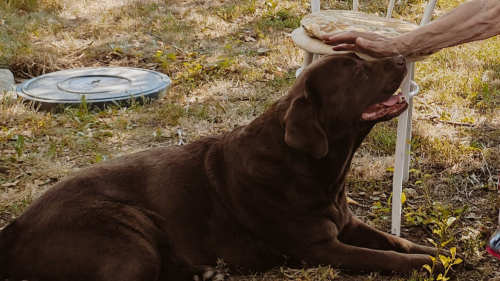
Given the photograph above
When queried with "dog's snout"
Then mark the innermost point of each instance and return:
(400, 60)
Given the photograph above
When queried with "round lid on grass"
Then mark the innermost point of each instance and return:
(96, 86)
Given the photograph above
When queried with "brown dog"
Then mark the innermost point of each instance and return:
(263, 193)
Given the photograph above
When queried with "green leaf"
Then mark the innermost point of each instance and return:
(433, 258)
(419, 182)
(457, 261)
(171, 56)
(446, 242)
(20, 141)
(446, 213)
(19, 145)
(426, 266)
(441, 277)
(413, 170)
(445, 260)
(427, 175)
(98, 158)
(390, 169)
(453, 252)
(403, 198)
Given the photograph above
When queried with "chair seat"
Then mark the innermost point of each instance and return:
(327, 21)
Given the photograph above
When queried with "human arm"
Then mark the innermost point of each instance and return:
(469, 22)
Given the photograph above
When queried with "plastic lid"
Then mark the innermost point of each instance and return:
(99, 85)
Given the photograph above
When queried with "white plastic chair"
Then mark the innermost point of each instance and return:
(314, 48)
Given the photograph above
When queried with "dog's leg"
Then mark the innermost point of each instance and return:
(339, 255)
(359, 234)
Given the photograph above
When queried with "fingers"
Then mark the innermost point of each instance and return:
(374, 45)
(345, 47)
(348, 37)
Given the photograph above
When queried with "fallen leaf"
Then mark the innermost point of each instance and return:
(262, 51)
(249, 39)
(10, 184)
(350, 201)
(39, 182)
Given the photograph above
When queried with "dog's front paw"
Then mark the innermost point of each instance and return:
(210, 274)
(198, 273)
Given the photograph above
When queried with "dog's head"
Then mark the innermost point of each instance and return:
(342, 96)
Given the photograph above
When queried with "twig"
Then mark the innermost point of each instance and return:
(176, 47)
(181, 142)
(468, 195)
(426, 104)
(435, 118)
(79, 50)
(436, 115)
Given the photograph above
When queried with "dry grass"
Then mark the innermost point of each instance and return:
(211, 50)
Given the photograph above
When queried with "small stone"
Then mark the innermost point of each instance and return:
(6, 80)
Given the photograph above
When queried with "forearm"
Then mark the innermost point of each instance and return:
(470, 22)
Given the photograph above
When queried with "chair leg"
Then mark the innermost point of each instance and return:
(397, 181)
(308, 59)
(406, 164)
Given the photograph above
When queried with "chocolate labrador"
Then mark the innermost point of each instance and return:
(271, 191)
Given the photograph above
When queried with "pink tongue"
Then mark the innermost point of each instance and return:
(391, 101)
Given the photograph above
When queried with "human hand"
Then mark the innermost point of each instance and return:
(372, 44)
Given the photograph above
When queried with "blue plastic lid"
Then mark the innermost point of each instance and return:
(99, 85)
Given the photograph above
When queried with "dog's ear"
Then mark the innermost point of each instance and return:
(302, 130)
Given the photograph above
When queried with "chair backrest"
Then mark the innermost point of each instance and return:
(426, 18)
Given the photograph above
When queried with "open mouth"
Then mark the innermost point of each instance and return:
(390, 108)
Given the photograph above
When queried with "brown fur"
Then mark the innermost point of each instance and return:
(263, 193)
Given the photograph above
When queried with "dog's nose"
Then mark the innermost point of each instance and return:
(400, 60)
